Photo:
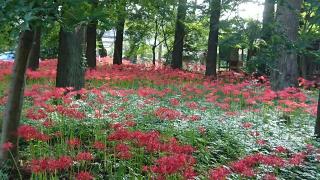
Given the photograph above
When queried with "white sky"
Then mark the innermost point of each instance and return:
(249, 10)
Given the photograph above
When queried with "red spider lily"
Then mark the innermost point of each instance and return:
(99, 145)
(75, 142)
(192, 105)
(174, 102)
(281, 149)
(123, 151)
(241, 167)
(83, 175)
(119, 134)
(167, 114)
(254, 133)
(84, 156)
(30, 133)
(39, 114)
(70, 112)
(261, 142)
(202, 129)
(297, 159)
(189, 173)
(113, 115)
(195, 117)
(247, 125)
(172, 164)
(7, 146)
(129, 116)
(27, 132)
(220, 173)
(48, 123)
(50, 165)
(245, 166)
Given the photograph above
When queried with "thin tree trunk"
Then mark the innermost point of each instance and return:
(102, 51)
(71, 69)
(118, 46)
(34, 55)
(177, 53)
(155, 45)
(242, 54)
(317, 127)
(286, 72)
(211, 67)
(160, 52)
(91, 44)
(15, 100)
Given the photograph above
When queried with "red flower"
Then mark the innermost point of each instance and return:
(7, 146)
(84, 156)
(189, 173)
(247, 125)
(174, 102)
(297, 159)
(167, 114)
(64, 162)
(261, 142)
(281, 149)
(75, 142)
(27, 132)
(83, 175)
(99, 145)
(123, 151)
(220, 173)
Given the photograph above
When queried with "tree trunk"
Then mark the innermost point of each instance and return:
(211, 67)
(155, 45)
(160, 52)
(102, 51)
(317, 127)
(286, 72)
(71, 69)
(177, 53)
(242, 54)
(268, 19)
(91, 44)
(118, 46)
(34, 55)
(15, 100)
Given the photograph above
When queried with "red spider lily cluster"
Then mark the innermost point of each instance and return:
(162, 93)
(50, 164)
(247, 166)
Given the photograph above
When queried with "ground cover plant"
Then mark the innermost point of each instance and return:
(140, 122)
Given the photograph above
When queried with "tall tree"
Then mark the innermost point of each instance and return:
(71, 69)
(285, 73)
(91, 44)
(118, 45)
(15, 100)
(33, 59)
(317, 127)
(268, 19)
(177, 53)
(215, 10)
(91, 38)
(155, 43)
(267, 30)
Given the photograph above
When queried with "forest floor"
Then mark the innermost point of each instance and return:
(138, 122)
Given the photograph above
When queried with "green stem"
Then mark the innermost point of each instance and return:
(15, 163)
